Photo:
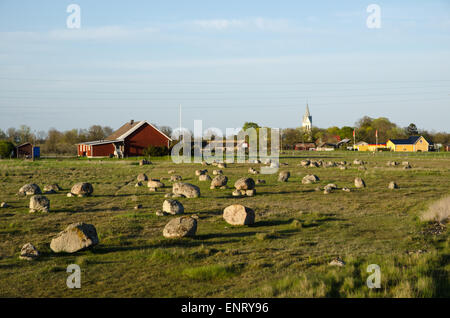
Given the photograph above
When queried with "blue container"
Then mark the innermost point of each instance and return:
(36, 152)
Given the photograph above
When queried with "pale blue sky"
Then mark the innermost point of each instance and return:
(226, 62)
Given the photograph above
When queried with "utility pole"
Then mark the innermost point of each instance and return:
(180, 124)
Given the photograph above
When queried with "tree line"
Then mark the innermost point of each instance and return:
(55, 142)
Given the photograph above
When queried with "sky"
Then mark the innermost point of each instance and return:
(225, 62)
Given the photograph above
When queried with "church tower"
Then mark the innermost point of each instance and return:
(307, 120)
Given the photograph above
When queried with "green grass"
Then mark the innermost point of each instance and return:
(298, 231)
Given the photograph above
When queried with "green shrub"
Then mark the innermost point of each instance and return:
(6, 147)
(156, 151)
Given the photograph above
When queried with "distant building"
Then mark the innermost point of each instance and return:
(24, 150)
(305, 146)
(369, 147)
(307, 120)
(129, 140)
(412, 144)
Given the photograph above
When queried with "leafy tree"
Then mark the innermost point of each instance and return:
(250, 125)
(156, 151)
(412, 130)
(6, 148)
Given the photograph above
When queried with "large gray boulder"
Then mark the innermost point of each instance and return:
(238, 214)
(186, 189)
(75, 237)
(82, 189)
(39, 203)
(244, 184)
(219, 181)
(310, 178)
(30, 189)
(173, 207)
(184, 226)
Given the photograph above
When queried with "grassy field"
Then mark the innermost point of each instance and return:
(298, 231)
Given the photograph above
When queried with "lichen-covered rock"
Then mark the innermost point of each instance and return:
(39, 203)
(283, 176)
(175, 178)
(244, 184)
(75, 237)
(219, 181)
(82, 189)
(173, 207)
(186, 189)
(51, 188)
(142, 177)
(217, 172)
(305, 163)
(238, 214)
(184, 226)
(204, 177)
(29, 252)
(30, 189)
(310, 178)
(154, 184)
(359, 183)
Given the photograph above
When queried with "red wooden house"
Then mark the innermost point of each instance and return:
(129, 140)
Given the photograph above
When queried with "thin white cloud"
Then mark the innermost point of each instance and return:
(258, 23)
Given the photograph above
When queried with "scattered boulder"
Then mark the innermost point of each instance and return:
(173, 207)
(260, 181)
(305, 163)
(251, 170)
(160, 213)
(137, 207)
(310, 178)
(331, 186)
(219, 181)
(142, 177)
(326, 190)
(82, 189)
(138, 184)
(362, 168)
(359, 183)
(143, 162)
(217, 172)
(392, 185)
(407, 167)
(222, 165)
(171, 171)
(39, 203)
(175, 178)
(236, 193)
(204, 177)
(30, 189)
(4, 205)
(238, 214)
(75, 237)
(186, 189)
(391, 163)
(204, 163)
(343, 167)
(358, 162)
(244, 184)
(201, 172)
(284, 176)
(250, 192)
(337, 262)
(184, 226)
(29, 252)
(51, 188)
(405, 163)
(314, 164)
(154, 184)
(346, 189)
(69, 195)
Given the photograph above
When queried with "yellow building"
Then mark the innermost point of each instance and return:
(364, 146)
(413, 144)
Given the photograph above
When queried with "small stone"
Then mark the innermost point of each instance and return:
(346, 189)
(392, 185)
(259, 181)
(142, 177)
(359, 183)
(4, 205)
(159, 213)
(250, 192)
(337, 262)
(29, 252)
(284, 176)
(137, 207)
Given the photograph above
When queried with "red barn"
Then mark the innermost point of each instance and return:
(129, 140)
(24, 150)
